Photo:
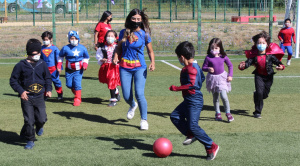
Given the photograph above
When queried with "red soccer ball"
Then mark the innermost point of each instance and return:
(162, 147)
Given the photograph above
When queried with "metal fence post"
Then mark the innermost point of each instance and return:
(215, 10)
(65, 9)
(53, 22)
(107, 5)
(159, 9)
(199, 27)
(194, 5)
(86, 6)
(271, 20)
(239, 6)
(41, 13)
(249, 4)
(170, 10)
(72, 11)
(33, 13)
(141, 4)
(16, 10)
(225, 11)
(255, 9)
(175, 9)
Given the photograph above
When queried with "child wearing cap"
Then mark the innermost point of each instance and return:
(31, 79)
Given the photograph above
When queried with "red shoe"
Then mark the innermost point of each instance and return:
(212, 152)
(77, 99)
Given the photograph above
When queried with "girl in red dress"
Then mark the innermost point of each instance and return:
(109, 72)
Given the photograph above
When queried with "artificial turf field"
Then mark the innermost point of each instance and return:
(94, 134)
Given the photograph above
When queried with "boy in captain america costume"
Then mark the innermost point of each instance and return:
(77, 59)
(186, 115)
(50, 55)
(285, 36)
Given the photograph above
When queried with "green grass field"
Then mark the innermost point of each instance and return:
(94, 134)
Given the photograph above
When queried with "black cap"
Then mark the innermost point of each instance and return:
(33, 45)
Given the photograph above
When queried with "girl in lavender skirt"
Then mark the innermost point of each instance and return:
(217, 79)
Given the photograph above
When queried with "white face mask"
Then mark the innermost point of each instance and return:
(110, 40)
(46, 42)
(36, 57)
(74, 42)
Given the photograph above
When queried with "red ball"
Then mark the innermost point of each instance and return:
(162, 147)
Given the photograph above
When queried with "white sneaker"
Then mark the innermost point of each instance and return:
(144, 125)
(288, 62)
(189, 141)
(130, 113)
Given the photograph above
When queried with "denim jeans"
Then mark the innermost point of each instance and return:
(139, 79)
(186, 116)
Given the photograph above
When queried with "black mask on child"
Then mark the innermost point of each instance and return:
(133, 25)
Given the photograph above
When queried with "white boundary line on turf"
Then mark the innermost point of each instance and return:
(233, 77)
(170, 64)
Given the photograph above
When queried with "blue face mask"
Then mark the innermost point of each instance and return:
(261, 47)
(181, 63)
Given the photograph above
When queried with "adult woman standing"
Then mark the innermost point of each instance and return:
(132, 42)
(102, 27)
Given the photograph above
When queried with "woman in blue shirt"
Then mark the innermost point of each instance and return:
(130, 50)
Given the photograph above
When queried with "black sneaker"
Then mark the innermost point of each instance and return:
(112, 103)
(118, 97)
(257, 116)
(59, 96)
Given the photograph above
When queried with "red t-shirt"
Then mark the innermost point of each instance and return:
(261, 65)
(102, 28)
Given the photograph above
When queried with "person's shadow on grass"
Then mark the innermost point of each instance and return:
(94, 118)
(12, 138)
(9, 94)
(70, 100)
(129, 144)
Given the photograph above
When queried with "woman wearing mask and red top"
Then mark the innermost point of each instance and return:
(102, 27)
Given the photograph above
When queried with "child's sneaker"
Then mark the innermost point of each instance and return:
(288, 62)
(59, 96)
(40, 132)
(229, 117)
(112, 103)
(29, 145)
(189, 140)
(212, 151)
(144, 125)
(257, 116)
(130, 113)
(118, 97)
(218, 117)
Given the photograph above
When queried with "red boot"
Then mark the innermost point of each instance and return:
(77, 98)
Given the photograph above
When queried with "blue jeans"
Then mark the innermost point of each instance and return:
(139, 78)
(73, 79)
(186, 116)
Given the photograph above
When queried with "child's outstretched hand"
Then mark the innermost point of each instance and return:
(242, 65)
(173, 88)
(211, 70)
(229, 78)
(280, 67)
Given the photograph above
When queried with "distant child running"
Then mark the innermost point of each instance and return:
(217, 79)
(186, 115)
(286, 35)
(77, 59)
(31, 79)
(109, 72)
(50, 54)
(263, 55)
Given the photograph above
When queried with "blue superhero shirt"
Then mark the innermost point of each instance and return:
(50, 55)
(76, 56)
(133, 53)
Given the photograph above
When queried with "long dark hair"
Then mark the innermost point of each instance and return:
(144, 26)
(216, 42)
(105, 15)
